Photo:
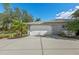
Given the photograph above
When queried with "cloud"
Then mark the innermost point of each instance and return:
(66, 14)
(77, 7)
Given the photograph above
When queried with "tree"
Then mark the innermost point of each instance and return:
(73, 26)
(14, 21)
(38, 19)
(17, 13)
(10, 14)
(7, 16)
(6, 7)
(22, 15)
(76, 14)
(26, 17)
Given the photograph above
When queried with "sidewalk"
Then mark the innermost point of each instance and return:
(38, 46)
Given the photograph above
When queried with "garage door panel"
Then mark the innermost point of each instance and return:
(40, 29)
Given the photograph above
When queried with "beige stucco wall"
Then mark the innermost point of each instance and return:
(57, 28)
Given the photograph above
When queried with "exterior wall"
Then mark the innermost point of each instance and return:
(57, 28)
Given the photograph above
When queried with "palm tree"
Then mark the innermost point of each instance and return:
(17, 13)
(26, 17)
(7, 16)
(38, 19)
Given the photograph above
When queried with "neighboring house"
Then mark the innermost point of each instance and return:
(46, 28)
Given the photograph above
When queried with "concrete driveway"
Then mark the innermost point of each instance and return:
(38, 46)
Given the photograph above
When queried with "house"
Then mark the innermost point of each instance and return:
(45, 28)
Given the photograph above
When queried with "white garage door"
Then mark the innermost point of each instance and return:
(40, 30)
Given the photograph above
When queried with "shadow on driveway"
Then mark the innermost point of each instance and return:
(60, 37)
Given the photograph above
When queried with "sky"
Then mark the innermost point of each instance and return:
(47, 11)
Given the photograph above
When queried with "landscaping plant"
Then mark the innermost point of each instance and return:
(13, 22)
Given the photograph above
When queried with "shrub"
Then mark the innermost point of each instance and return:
(2, 36)
(9, 35)
(12, 36)
(67, 34)
(62, 34)
(19, 27)
(73, 25)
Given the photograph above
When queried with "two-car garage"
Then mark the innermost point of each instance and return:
(44, 28)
